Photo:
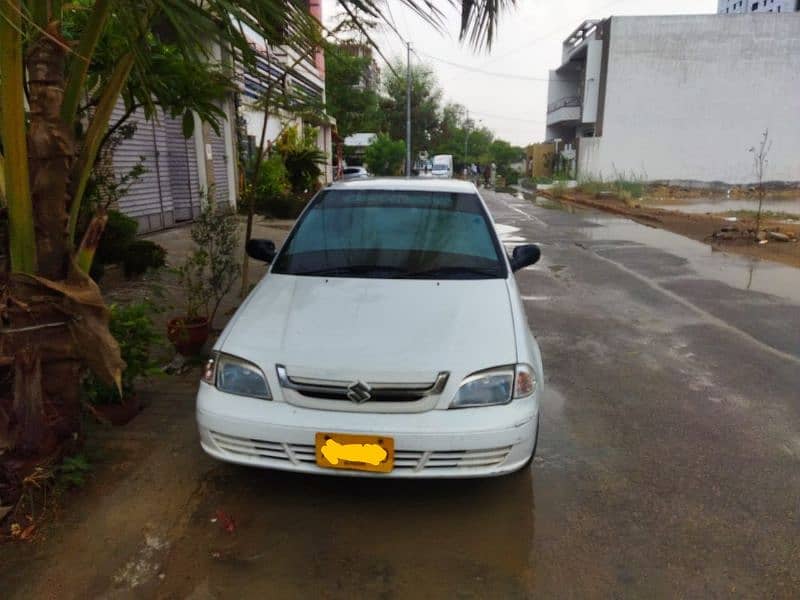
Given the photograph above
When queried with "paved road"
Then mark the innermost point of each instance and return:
(668, 464)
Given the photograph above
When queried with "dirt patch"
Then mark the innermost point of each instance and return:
(700, 227)
(665, 193)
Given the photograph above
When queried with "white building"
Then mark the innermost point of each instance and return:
(728, 7)
(679, 98)
(305, 77)
(178, 171)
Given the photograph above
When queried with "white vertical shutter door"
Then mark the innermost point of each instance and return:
(183, 175)
(220, 160)
(149, 200)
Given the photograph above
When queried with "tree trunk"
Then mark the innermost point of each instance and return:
(51, 151)
(41, 353)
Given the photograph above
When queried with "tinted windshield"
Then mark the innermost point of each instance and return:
(389, 234)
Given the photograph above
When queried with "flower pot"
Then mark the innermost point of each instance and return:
(122, 413)
(188, 334)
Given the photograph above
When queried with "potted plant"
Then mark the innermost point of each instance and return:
(206, 276)
(189, 332)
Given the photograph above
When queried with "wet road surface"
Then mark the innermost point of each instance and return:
(668, 461)
(668, 464)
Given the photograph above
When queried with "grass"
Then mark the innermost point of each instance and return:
(765, 214)
(622, 187)
(559, 189)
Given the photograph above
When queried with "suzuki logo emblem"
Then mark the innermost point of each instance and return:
(359, 392)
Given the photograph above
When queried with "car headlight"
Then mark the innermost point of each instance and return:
(236, 376)
(495, 387)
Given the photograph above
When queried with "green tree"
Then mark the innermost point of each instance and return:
(385, 156)
(450, 135)
(504, 154)
(351, 97)
(426, 98)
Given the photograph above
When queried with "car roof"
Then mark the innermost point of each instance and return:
(419, 184)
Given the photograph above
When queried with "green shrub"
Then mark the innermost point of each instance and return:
(133, 328)
(73, 471)
(271, 190)
(120, 231)
(510, 175)
(302, 159)
(286, 207)
(141, 255)
(385, 156)
(210, 271)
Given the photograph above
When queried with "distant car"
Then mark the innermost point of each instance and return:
(354, 173)
(388, 339)
(443, 166)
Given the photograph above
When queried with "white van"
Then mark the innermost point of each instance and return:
(443, 166)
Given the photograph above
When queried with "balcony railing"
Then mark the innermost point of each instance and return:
(562, 102)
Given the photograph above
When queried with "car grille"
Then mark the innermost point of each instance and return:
(404, 460)
(341, 390)
(404, 396)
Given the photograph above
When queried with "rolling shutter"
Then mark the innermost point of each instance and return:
(149, 200)
(182, 171)
(220, 160)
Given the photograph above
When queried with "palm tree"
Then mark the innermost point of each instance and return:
(63, 68)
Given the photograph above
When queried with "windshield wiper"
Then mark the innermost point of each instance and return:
(452, 272)
(368, 270)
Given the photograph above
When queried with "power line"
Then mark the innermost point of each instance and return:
(490, 116)
(544, 37)
(490, 73)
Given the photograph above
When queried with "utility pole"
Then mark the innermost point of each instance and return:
(466, 140)
(408, 112)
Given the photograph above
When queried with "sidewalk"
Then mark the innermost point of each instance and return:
(114, 532)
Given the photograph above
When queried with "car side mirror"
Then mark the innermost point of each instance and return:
(525, 256)
(263, 250)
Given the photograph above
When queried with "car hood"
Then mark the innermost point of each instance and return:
(385, 330)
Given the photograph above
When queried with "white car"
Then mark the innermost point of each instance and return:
(354, 173)
(388, 340)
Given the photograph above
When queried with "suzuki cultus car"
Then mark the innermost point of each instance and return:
(388, 339)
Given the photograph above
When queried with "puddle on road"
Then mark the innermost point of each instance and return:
(508, 234)
(736, 271)
(725, 204)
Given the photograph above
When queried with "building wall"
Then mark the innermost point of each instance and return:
(688, 95)
(540, 159)
(591, 86)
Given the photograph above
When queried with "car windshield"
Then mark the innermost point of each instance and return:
(393, 234)
(440, 167)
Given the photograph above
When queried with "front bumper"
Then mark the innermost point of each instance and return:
(477, 442)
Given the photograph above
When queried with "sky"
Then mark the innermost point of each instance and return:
(528, 45)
